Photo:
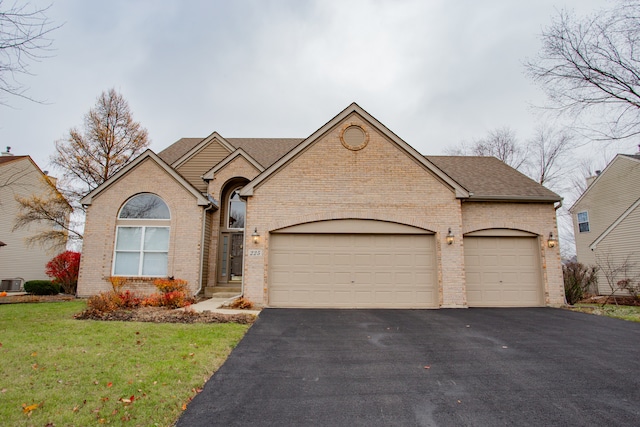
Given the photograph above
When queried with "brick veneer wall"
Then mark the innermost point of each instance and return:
(381, 182)
(537, 218)
(99, 235)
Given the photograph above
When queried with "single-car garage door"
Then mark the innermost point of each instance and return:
(352, 271)
(502, 271)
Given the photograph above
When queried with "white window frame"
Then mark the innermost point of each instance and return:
(142, 224)
(586, 213)
(141, 251)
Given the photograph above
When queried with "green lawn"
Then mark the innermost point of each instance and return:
(625, 312)
(84, 373)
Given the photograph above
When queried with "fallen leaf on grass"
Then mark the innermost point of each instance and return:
(127, 401)
(184, 406)
(34, 354)
(109, 384)
(26, 409)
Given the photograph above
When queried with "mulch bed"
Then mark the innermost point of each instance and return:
(17, 299)
(143, 314)
(164, 315)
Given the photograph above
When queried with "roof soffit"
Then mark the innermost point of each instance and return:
(341, 117)
(148, 154)
(215, 137)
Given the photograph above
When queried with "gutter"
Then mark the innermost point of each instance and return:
(530, 199)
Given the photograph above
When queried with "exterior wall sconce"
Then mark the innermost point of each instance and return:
(256, 236)
(450, 237)
(552, 242)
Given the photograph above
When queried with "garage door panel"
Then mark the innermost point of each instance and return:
(502, 271)
(352, 271)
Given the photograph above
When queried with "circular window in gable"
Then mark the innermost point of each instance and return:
(354, 137)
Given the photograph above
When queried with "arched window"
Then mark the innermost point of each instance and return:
(237, 211)
(142, 237)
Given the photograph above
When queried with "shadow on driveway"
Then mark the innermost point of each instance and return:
(474, 367)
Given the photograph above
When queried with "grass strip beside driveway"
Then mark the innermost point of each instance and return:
(624, 312)
(60, 371)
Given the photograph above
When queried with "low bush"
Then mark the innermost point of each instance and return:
(578, 280)
(171, 285)
(41, 287)
(104, 302)
(241, 303)
(107, 302)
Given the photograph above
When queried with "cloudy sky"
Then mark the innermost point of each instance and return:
(435, 72)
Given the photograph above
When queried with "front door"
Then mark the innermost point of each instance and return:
(235, 256)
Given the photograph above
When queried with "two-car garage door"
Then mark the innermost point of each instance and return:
(352, 270)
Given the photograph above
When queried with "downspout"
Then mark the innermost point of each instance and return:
(204, 229)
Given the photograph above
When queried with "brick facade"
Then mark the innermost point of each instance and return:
(384, 181)
(99, 236)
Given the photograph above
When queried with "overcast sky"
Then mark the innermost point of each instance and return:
(435, 72)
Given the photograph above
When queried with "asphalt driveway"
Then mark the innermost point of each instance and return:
(474, 367)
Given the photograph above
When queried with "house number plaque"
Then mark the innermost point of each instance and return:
(255, 252)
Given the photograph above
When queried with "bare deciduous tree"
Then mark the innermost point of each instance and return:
(547, 151)
(109, 140)
(24, 38)
(621, 273)
(590, 67)
(50, 209)
(501, 143)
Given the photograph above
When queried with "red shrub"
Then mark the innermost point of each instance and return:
(64, 269)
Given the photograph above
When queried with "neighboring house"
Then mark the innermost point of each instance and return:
(19, 262)
(606, 222)
(351, 216)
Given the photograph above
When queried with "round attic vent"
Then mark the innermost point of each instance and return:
(354, 137)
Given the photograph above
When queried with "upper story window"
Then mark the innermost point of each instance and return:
(583, 222)
(237, 210)
(142, 237)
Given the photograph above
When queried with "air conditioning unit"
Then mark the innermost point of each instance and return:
(10, 285)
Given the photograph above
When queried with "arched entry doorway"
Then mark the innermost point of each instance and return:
(231, 239)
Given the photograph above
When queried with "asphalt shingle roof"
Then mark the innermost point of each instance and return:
(484, 177)
(488, 177)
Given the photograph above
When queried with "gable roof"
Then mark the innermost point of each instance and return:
(238, 153)
(263, 150)
(178, 149)
(7, 159)
(247, 190)
(488, 178)
(632, 157)
(50, 180)
(148, 154)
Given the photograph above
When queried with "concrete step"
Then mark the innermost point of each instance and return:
(222, 291)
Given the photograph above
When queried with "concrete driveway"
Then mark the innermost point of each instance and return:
(474, 367)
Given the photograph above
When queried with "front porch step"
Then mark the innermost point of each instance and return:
(222, 291)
